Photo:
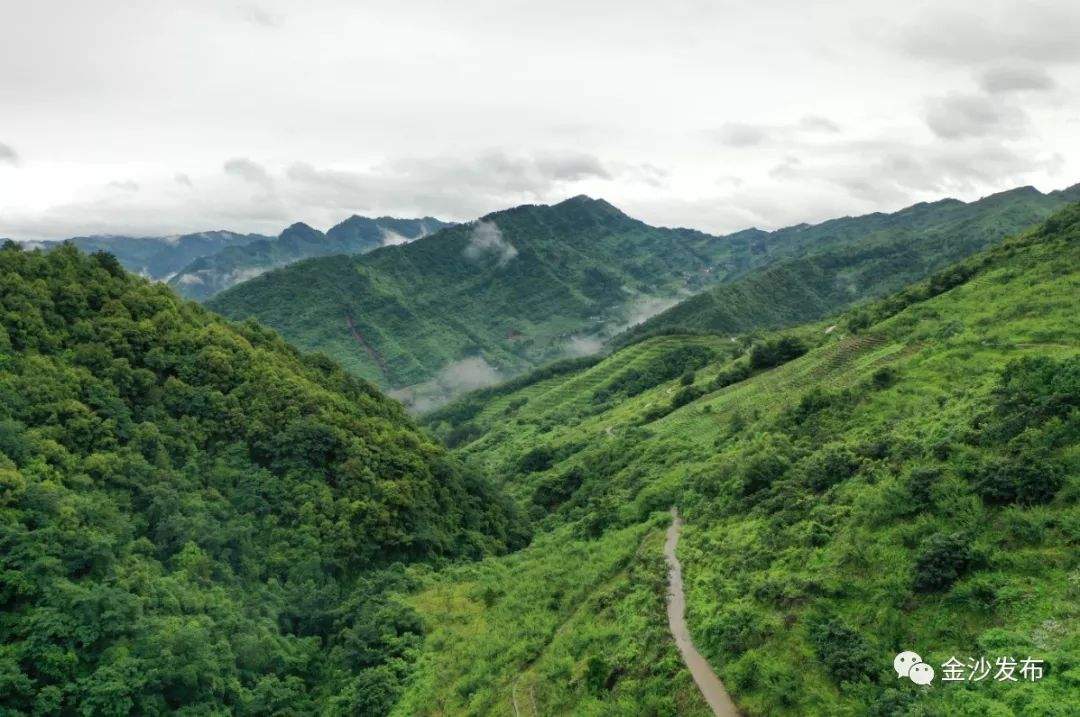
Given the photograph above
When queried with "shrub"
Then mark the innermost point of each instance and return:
(739, 371)
(883, 377)
(687, 378)
(844, 651)
(536, 460)
(941, 560)
(767, 354)
(1022, 479)
(832, 464)
(689, 394)
(737, 628)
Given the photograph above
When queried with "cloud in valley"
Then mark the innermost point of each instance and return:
(467, 374)
(486, 239)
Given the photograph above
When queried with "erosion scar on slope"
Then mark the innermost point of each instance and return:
(711, 688)
(371, 352)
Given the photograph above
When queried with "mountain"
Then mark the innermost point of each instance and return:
(907, 480)
(895, 251)
(209, 274)
(500, 294)
(472, 304)
(161, 257)
(196, 518)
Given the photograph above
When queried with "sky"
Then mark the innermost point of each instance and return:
(139, 117)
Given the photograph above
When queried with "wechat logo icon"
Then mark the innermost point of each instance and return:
(908, 664)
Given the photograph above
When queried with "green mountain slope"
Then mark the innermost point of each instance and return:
(510, 289)
(476, 303)
(196, 517)
(906, 481)
(888, 253)
(207, 275)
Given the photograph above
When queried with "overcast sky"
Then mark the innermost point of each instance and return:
(153, 117)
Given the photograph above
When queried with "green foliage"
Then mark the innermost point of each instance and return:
(941, 561)
(659, 369)
(810, 272)
(772, 353)
(843, 651)
(195, 517)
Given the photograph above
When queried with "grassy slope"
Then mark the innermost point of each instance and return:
(400, 315)
(764, 571)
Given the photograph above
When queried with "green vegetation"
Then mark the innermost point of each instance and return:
(854, 259)
(566, 277)
(907, 480)
(567, 626)
(195, 518)
(214, 272)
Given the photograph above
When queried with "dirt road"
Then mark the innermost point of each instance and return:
(707, 681)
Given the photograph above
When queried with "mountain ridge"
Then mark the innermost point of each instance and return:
(530, 284)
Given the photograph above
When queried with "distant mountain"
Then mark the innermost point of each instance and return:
(207, 275)
(160, 257)
(854, 259)
(473, 304)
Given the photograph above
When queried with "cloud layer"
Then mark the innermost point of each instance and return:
(709, 115)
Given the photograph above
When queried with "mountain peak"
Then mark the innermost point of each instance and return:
(300, 230)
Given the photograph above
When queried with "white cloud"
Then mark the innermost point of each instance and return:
(682, 113)
(467, 375)
(486, 239)
(249, 171)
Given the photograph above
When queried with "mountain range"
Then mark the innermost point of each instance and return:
(198, 517)
(201, 264)
(477, 303)
(211, 273)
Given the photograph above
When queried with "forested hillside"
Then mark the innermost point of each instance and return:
(474, 304)
(214, 272)
(895, 250)
(908, 480)
(195, 518)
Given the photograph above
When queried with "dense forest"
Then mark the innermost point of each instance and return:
(903, 476)
(195, 518)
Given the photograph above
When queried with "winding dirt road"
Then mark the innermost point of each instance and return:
(711, 688)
